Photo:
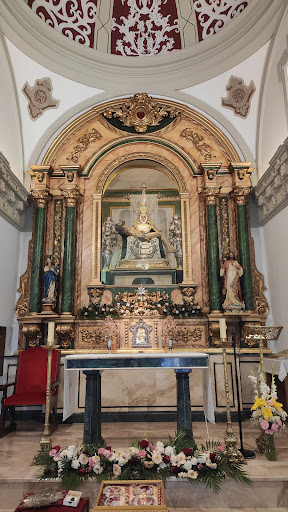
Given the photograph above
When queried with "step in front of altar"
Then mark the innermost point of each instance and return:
(266, 493)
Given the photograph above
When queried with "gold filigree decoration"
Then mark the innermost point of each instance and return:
(32, 333)
(112, 332)
(24, 288)
(139, 305)
(94, 295)
(211, 194)
(92, 337)
(140, 111)
(224, 225)
(57, 233)
(199, 143)
(241, 194)
(155, 157)
(65, 334)
(188, 335)
(40, 197)
(261, 303)
(168, 330)
(71, 196)
(188, 294)
(83, 143)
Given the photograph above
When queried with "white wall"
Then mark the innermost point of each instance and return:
(9, 255)
(10, 129)
(276, 251)
(273, 120)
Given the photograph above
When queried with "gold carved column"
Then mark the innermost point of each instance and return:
(186, 239)
(96, 240)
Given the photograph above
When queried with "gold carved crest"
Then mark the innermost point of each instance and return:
(141, 111)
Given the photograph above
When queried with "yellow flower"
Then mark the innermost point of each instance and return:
(277, 405)
(267, 413)
(259, 402)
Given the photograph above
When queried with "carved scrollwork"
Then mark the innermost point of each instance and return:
(94, 295)
(189, 335)
(92, 337)
(199, 143)
(24, 288)
(261, 303)
(40, 197)
(65, 334)
(32, 333)
(141, 111)
(211, 194)
(241, 194)
(83, 143)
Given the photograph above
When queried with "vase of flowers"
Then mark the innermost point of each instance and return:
(267, 412)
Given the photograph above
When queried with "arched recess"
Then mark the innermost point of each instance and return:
(180, 172)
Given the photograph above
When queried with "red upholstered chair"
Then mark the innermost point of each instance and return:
(30, 385)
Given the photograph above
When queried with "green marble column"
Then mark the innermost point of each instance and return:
(92, 415)
(38, 248)
(213, 250)
(184, 414)
(68, 261)
(244, 253)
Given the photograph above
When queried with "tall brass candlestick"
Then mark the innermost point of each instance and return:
(46, 439)
(230, 440)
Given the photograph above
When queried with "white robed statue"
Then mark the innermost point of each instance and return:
(231, 270)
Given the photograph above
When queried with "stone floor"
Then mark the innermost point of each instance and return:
(18, 448)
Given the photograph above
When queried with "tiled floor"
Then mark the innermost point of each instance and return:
(18, 449)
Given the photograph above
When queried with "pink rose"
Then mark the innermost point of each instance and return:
(220, 448)
(199, 466)
(141, 454)
(101, 451)
(104, 452)
(279, 423)
(52, 452)
(91, 462)
(269, 431)
(274, 427)
(264, 424)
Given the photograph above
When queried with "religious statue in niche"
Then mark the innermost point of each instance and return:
(143, 240)
(109, 240)
(50, 281)
(175, 238)
(231, 270)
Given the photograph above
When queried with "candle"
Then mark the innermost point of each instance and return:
(170, 344)
(223, 328)
(51, 331)
(109, 344)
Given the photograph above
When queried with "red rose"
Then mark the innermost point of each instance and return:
(57, 448)
(134, 461)
(176, 469)
(212, 457)
(144, 443)
(187, 452)
(81, 472)
(166, 459)
(107, 448)
(85, 452)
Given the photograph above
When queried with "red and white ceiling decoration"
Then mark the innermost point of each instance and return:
(137, 27)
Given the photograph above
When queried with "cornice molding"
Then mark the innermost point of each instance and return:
(13, 196)
(187, 67)
(272, 189)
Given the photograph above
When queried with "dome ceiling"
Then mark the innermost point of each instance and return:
(137, 27)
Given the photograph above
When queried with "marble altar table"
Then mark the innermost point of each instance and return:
(93, 364)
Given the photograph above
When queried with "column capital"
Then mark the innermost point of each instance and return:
(211, 194)
(71, 195)
(40, 197)
(241, 172)
(241, 194)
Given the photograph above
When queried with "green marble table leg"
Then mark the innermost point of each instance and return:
(184, 415)
(92, 415)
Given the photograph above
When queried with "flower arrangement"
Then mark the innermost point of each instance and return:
(161, 307)
(267, 412)
(142, 461)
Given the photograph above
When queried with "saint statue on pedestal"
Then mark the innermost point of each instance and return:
(50, 280)
(231, 270)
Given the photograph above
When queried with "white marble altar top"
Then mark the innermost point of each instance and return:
(277, 366)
